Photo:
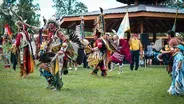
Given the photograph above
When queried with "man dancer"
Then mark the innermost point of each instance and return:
(172, 42)
(25, 59)
(99, 46)
(56, 40)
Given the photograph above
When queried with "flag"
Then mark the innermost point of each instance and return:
(124, 26)
(7, 30)
(174, 25)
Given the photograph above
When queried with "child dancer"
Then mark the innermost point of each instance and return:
(177, 85)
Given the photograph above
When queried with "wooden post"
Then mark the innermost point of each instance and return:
(155, 31)
(141, 27)
(142, 31)
(154, 36)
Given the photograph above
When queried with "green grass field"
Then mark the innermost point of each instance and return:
(146, 86)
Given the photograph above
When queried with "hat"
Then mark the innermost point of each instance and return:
(135, 35)
(52, 20)
(181, 47)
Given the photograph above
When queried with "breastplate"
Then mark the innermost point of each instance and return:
(55, 44)
(23, 41)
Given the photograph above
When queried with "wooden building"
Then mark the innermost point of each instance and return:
(145, 16)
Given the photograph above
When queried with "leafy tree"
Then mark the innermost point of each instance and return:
(28, 11)
(5, 17)
(24, 8)
(174, 3)
(69, 7)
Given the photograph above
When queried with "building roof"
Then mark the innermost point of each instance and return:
(150, 15)
(132, 9)
(140, 1)
(137, 8)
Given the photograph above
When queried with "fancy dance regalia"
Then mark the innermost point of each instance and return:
(97, 58)
(24, 48)
(59, 51)
(123, 51)
(6, 45)
(52, 60)
(177, 85)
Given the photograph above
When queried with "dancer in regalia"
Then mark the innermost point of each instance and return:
(6, 45)
(100, 51)
(177, 85)
(59, 51)
(51, 59)
(24, 50)
(123, 52)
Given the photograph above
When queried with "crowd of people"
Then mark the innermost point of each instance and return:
(59, 51)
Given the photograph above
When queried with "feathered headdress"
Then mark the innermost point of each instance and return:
(52, 20)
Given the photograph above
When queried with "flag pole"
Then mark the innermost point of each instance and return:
(174, 25)
(129, 20)
(128, 33)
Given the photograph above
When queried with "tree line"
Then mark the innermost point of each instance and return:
(29, 11)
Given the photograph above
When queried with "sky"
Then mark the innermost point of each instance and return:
(47, 11)
(1, 1)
